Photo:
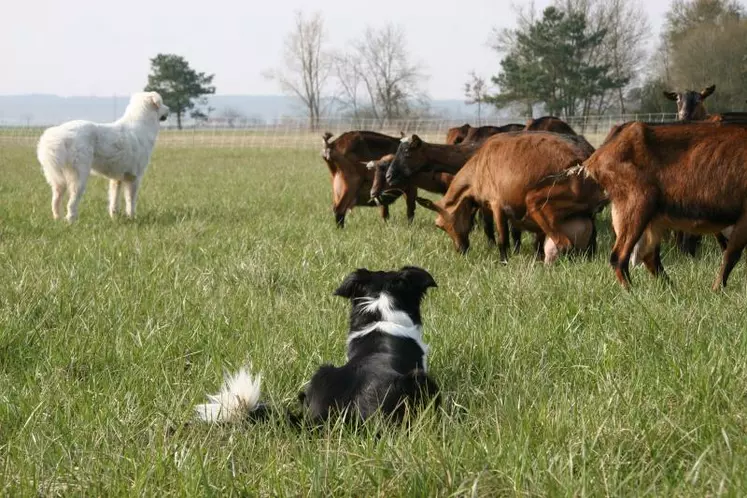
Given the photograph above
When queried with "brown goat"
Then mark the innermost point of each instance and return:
(438, 183)
(456, 135)
(728, 117)
(351, 181)
(414, 155)
(521, 177)
(478, 134)
(691, 107)
(482, 133)
(688, 176)
(427, 180)
(549, 123)
(382, 193)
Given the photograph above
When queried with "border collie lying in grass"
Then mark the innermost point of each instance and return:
(386, 367)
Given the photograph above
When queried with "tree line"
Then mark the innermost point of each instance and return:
(575, 58)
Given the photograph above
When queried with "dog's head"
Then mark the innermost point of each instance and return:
(149, 104)
(389, 296)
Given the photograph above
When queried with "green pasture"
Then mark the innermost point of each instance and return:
(556, 381)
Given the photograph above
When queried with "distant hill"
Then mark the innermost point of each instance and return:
(40, 110)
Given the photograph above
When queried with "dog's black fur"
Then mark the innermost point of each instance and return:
(386, 368)
(384, 373)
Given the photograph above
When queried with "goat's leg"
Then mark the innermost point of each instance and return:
(488, 225)
(516, 236)
(734, 248)
(591, 250)
(629, 222)
(384, 211)
(548, 206)
(411, 194)
(687, 243)
(539, 246)
(502, 222)
(722, 240)
(345, 197)
(649, 247)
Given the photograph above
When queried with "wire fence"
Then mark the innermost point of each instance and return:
(295, 133)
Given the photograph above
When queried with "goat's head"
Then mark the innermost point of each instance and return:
(380, 188)
(456, 135)
(455, 220)
(690, 103)
(409, 159)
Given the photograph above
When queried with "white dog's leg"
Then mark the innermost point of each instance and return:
(130, 195)
(75, 187)
(114, 196)
(57, 191)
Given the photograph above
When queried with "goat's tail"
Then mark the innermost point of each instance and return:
(326, 149)
(236, 401)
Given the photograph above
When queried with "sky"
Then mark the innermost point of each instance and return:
(102, 48)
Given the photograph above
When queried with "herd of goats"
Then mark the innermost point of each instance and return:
(689, 176)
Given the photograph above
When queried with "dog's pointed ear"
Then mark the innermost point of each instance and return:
(351, 286)
(418, 277)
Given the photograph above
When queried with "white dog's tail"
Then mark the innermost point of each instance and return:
(52, 155)
(238, 397)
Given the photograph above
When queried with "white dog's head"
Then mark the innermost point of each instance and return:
(147, 104)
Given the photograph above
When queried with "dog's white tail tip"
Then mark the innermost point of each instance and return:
(237, 398)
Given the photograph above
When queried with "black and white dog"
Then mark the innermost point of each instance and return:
(386, 371)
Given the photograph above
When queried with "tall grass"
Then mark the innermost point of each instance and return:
(556, 381)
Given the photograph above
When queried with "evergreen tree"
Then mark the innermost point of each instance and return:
(179, 85)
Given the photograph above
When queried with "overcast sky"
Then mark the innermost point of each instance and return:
(102, 48)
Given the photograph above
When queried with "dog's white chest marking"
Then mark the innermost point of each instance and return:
(393, 322)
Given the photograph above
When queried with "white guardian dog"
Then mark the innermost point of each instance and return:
(119, 151)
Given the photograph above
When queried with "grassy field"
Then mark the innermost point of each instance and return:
(556, 381)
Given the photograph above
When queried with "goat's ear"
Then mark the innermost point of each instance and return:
(670, 95)
(427, 204)
(417, 277)
(415, 141)
(401, 134)
(353, 283)
(708, 91)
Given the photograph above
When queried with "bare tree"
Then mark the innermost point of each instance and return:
(306, 65)
(476, 92)
(347, 75)
(388, 77)
(231, 115)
